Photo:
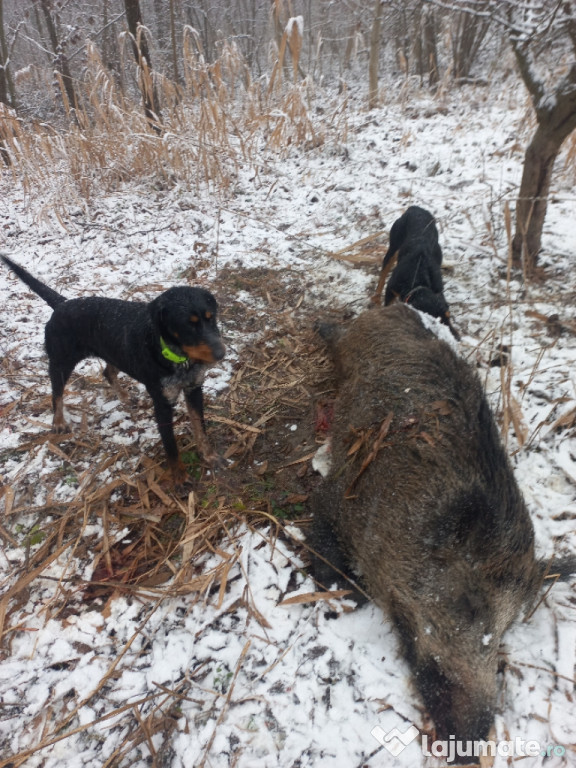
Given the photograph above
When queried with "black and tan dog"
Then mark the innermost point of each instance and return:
(416, 279)
(166, 344)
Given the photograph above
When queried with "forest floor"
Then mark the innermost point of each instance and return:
(141, 627)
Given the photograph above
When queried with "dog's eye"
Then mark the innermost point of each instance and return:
(194, 318)
(207, 315)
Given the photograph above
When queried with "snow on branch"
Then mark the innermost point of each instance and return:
(497, 11)
(295, 21)
(527, 67)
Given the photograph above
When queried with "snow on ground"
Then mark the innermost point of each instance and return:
(257, 683)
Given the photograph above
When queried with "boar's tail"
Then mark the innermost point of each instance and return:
(558, 568)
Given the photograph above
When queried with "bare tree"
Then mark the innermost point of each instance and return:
(109, 40)
(374, 54)
(415, 27)
(543, 37)
(60, 59)
(7, 92)
(428, 49)
(3, 83)
(174, 44)
(144, 63)
(468, 34)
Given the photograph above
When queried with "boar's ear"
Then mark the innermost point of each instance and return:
(330, 332)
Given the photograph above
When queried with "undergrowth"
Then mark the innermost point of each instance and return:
(217, 121)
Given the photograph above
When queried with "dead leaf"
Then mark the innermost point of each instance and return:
(377, 444)
(520, 427)
(567, 420)
(427, 438)
(314, 597)
(296, 498)
(356, 445)
(442, 406)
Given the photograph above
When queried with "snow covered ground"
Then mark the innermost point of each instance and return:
(227, 675)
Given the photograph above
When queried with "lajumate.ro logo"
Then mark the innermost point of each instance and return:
(396, 741)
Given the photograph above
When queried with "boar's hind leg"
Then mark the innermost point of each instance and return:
(560, 568)
(328, 563)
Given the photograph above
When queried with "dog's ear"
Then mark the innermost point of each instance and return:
(155, 310)
(160, 313)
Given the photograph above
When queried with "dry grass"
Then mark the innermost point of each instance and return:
(137, 538)
(152, 544)
(149, 543)
(570, 154)
(209, 127)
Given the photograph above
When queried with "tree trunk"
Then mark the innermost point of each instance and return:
(468, 34)
(144, 63)
(60, 60)
(7, 91)
(161, 33)
(3, 84)
(174, 44)
(556, 118)
(374, 55)
(430, 53)
(555, 124)
(533, 198)
(110, 53)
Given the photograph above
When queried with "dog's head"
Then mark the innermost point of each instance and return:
(186, 319)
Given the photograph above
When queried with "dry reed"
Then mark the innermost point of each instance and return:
(217, 121)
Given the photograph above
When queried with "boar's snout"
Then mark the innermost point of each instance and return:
(462, 709)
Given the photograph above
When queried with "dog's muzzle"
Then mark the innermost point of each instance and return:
(205, 353)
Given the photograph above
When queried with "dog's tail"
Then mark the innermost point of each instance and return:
(51, 297)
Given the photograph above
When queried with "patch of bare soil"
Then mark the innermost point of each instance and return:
(270, 422)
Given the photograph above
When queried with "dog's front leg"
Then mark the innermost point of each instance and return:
(164, 413)
(195, 406)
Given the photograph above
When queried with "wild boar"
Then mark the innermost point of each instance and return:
(421, 508)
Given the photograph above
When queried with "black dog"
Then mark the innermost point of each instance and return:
(167, 345)
(416, 279)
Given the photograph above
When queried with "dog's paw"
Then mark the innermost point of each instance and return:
(184, 487)
(177, 479)
(61, 428)
(179, 473)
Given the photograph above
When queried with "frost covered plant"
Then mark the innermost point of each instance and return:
(222, 678)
